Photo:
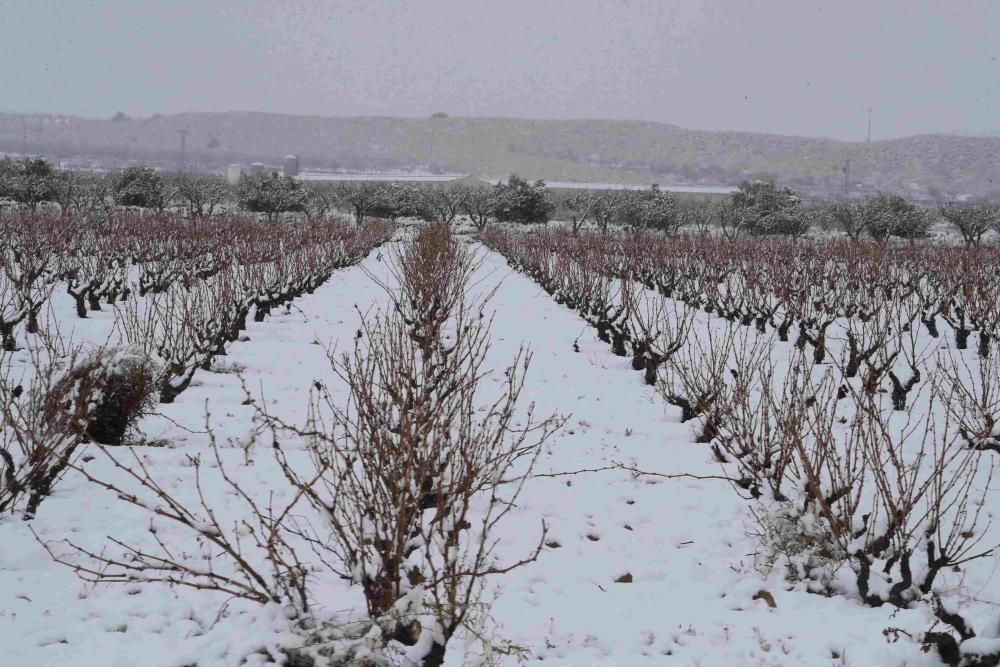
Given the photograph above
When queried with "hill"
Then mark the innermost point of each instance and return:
(922, 167)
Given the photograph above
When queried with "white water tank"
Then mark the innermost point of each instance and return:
(234, 173)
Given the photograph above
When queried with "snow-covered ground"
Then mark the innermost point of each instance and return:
(637, 570)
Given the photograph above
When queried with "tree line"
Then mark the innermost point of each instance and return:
(757, 208)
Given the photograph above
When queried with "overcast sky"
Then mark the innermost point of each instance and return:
(788, 66)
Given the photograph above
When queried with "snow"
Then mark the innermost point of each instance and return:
(688, 594)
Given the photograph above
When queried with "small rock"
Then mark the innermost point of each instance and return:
(624, 579)
(766, 597)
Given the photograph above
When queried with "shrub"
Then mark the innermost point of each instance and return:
(524, 202)
(769, 209)
(271, 194)
(128, 389)
(30, 181)
(851, 216)
(800, 543)
(891, 215)
(140, 186)
(397, 201)
(651, 209)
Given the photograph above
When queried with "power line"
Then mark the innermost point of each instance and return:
(183, 134)
(847, 176)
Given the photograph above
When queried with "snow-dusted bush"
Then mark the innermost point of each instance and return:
(766, 208)
(127, 393)
(522, 201)
(139, 185)
(798, 543)
(893, 216)
(271, 194)
(28, 181)
(653, 209)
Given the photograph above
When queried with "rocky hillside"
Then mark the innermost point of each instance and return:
(923, 167)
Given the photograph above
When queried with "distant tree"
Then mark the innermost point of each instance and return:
(100, 194)
(480, 205)
(797, 221)
(766, 208)
(733, 220)
(439, 114)
(850, 216)
(119, 116)
(70, 191)
(524, 202)
(973, 220)
(396, 200)
(141, 186)
(321, 200)
(609, 206)
(361, 196)
(794, 222)
(442, 205)
(201, 195)
(580, 207)
(651, 209)
(28, 181)
(892, 216)
(696, 214)
(271, 194)
(6, 178)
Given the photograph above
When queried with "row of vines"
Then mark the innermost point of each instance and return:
(850, 391)
(179, 293)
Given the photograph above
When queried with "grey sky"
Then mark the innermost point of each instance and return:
(789, 66)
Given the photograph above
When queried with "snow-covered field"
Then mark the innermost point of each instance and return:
(637, 569)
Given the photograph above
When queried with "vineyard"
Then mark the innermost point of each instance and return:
(233, 439)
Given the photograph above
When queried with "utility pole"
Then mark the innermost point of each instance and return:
(24, 139)
(847, 177)
(869, 125)
(183, 134)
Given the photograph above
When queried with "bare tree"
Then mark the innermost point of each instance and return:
(362, 197)
(973, 221)
(321, 199)
(581, 206)
(201, 195)
(481, 205)
(444, 204)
